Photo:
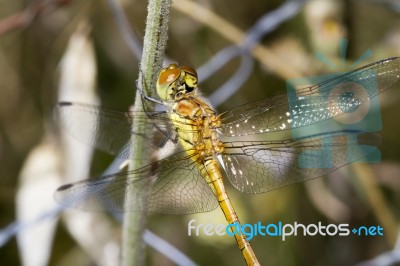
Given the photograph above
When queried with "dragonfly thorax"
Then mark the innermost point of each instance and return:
(195, 122)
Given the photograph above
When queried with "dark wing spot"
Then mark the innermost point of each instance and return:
(64, 103)
(64, 187)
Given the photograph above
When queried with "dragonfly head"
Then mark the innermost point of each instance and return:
(175, 81)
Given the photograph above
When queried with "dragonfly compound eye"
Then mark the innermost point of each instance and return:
(166, 81)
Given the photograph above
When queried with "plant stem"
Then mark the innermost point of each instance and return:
(155, 40)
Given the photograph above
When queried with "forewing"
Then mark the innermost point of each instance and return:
(170, 186)
(277, 113)
(111, 130)
(257, 167)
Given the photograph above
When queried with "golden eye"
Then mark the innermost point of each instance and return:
(166, 78)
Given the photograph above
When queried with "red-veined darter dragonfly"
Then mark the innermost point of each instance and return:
(188, 178)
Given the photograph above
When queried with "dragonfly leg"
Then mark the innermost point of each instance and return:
(168, 137)
(147, 98)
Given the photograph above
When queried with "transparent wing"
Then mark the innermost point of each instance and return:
(170, 186)
(312, 104)
(110, 130)
(257, 167)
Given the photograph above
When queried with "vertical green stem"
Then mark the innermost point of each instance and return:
(155, 40)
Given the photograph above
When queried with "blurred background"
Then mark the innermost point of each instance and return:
(88, 51)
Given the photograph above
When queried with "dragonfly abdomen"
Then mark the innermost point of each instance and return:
(212, 173)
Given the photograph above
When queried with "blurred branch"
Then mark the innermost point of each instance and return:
(326, 202)
(217, 61)
(155, 41)
(263, 26)
(167, 249)
(271, 21)
(151, 239)
(263, 54)
(22, 226)
(130, 38)
(18, 227)
(235, 82)
(377, 201)
(24, 18)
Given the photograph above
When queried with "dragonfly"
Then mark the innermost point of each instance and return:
(195, 149)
